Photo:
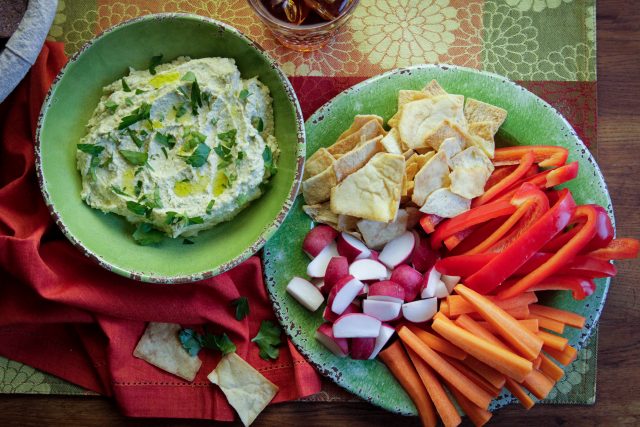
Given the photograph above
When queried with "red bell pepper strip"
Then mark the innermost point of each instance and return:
(545, 179)
(561, 239)
(581, 265)
(525, 164)
(529, 242)
(560, 258)
(429, 222)
(623, 248)
(480, 234)
(580, 287)
(469, 218)
(463, 265)
(454, 240)
(498, 175)
(604, 231)
(546, 155)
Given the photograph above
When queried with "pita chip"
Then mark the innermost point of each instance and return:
(468, 182)
(406, 96)
(368, 131)
(452, 146)
(433, 175)
(321, 213)
(347, 223)
(358, 121)
(161, 347)
(472, 157)
(317, 189)
(377, 234)
(246, 389)
(478, 111)
(446, 204)
(382, 179)
(318, 162)
(391, 142)
(356, 158)
(434, 89)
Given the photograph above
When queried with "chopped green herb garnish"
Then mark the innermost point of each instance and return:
(146, 234)
(136, 158)
(92, 149)
(189, 77)
(138, 209)
(193, 342)
(155, 61)
(134, 138)
(268, 340)
(196, 99)
(188, 242)
(267, 156)
(119, 191)
(138, 189)
(180, 109)
(183, 91)
(164, 151)
(137, 171)
(156, 201)
(125, 86)
(167, 140)
(128, 101)
(191, 141)
(93, 164)
(174, 218)
(199, 156)
(257, 123)
(210, 206)
(214, 121)
(228, 137)
(195, 220)
(111, 106)
(224, 344)
(242, 307)
(244, 94)
(206, 97)
(143, 112)
(241, 155)
(242, 199)
(140, 91)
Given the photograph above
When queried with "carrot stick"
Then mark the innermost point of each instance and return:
(399, 364)
(467, 387)
(438, 344)
(467, 323)
(523, 340)
(563, 357)
(520, 394)
(492, 376)
(503, 361)
(550, 369)
(530, 324)
(548, 324)
(566, 317)
(538, 384)
(473, 376)
(478, 416)
(537, 362)
(553, 341)
(447, 411)
(458, 305)
(518, 313)
(444, 307)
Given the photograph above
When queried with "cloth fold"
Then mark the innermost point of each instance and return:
(63, 314)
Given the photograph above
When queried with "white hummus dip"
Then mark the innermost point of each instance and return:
(178, 148)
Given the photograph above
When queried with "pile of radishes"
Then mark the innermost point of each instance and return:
(368, 292)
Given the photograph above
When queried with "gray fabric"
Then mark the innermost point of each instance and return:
(23, 47)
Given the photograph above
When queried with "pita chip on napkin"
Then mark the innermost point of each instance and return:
(160, 346)
(245, 388)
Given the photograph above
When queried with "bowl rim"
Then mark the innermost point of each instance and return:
(268, 230)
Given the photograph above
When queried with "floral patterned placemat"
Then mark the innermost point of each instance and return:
(547, 45)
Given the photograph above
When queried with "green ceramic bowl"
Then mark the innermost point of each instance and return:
(530, 121)
(106, 238)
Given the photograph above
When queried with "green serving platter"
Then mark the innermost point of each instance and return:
(530, 121)
(106, 238)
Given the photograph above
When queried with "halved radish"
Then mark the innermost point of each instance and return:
(364, 291)
(441, 290)
(343, 293)
(330, 316)
(351, 247)
(338, 346)
(317, 239)
(398, 250)
(356, 325)
(386, 332)
(374, 255)
(361, 348)
(381, 310)
(318, 266)
(423, 257)
(431, 279)
(305, 293)
(337, 268)
(409, 278)
(420, 310)
(386, 290)
(450, 281)
(368, 269)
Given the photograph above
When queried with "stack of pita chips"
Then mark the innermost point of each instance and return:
(435, 158)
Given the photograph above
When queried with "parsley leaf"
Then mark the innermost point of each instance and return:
(191, 141)
(244, 94)
(164, 151)
(210, 206)
(174, 218)
(128, 101)
(193, 342)
(119, 191)
(189, 77)
(181, 109)
(229, 137)
(267, 156)
(199, 156)
(224, 344)
(167, 140)
(143, 112)
(195, 220)
(138, 189)
(268, 340)
(135, 158)
(125, 86)
(257, 123)
(139, 91)
(92, 149)
(242, 307)
(134, 138)
(138, 209)
(155, 61)
(111, 106)
(146, 235)
(196, 98)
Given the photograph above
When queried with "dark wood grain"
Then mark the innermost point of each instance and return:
(618, 357)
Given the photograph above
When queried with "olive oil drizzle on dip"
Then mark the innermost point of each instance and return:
(178, 148)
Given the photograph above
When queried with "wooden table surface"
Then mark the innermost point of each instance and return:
(618, 395)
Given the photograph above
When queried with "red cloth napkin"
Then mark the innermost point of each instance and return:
(63, 314)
